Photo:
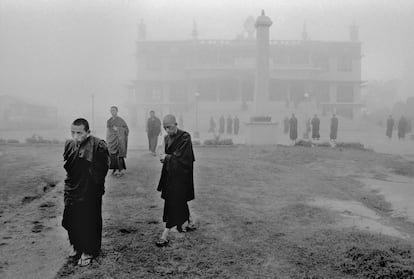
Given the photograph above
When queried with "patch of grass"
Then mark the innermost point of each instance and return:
(354, 253)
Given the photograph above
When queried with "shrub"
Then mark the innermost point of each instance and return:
(261, 119)
(13, 141)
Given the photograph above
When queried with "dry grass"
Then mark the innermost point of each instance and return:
(253, 217)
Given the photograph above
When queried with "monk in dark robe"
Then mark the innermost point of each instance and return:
(229, 125)
(390, 127)
(293, 128)
(212, 126)
(402, 127)
(153, 131)
(315, 128)
(117, 138)
(236, 122)
(86, 163)
(176, 183)
(334, 128)
(221, 125)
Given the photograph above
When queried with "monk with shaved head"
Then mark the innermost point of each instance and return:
(176, 183)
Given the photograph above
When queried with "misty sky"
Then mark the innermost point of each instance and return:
(59, 52)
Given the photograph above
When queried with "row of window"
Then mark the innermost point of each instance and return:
(344, 63)
(233, 91)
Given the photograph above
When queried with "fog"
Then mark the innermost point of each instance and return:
(60, 52)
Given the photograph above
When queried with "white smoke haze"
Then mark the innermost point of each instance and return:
(59, 53)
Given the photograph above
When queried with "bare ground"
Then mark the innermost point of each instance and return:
(256, 212)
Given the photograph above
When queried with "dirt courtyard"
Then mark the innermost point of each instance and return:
(261, 212)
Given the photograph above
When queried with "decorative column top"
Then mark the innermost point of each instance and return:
(263, 20)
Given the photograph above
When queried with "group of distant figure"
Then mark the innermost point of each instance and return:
(312, 126)
(403, 127)
(230, 126)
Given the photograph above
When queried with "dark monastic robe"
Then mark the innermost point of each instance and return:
(390, 127)
(153, 131)
(236, 125)
(293, 128)
(315, 128)
(86, 166)
(334, 128)
(117, 141)
(177, 183)
(402, 127)
(221, 125)
(212, 127)
(229, 125)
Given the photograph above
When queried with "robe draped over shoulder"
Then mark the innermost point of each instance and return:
(117, 140)
(177, 181)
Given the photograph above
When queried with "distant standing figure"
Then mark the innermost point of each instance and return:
(402, 127)
(117, 139)
(334, 128)
(315, 127)
(212, 126)
(221, 124)
(308, 128)
(236, 125)
(293, 128)
(86, 162)
(390, 126)
(286, 125)
(229, 125)
(153, 131)
(177, 182)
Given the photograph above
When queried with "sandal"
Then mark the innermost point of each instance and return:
(85, 260)
(162, 242)
(74, 253)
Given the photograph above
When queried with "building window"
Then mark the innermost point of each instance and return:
(178, 93)
(154, 64)
(297, 92)
(176, 63)
(278, 90)
(153, 94)
(280, 58)
(247, 90)
(229, 90)
(321, 61)
(345, 93)
(207, 90)
(320, 91)
(299, 57)
(345, 63)
(207, 57)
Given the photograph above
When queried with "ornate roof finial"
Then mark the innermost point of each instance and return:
(263, 13)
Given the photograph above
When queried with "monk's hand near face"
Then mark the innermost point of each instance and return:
(162, 158)
(115, 128)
